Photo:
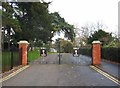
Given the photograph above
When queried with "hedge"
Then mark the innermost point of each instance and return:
(86, 51)
(108, 53)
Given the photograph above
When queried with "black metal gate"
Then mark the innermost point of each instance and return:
(20, 56)
(11, 58)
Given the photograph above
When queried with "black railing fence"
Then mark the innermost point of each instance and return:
(11, 58)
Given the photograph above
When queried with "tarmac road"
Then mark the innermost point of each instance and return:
(73, 71)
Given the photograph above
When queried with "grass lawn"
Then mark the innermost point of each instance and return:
(33, 55)
(51, 53)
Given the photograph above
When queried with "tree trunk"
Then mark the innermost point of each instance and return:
(31, 45)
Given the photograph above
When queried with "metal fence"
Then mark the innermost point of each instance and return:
(11, 58)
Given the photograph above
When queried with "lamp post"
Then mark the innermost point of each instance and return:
(12, 49)
(59, 50)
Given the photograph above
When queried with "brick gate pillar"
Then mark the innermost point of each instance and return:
(96, 53)
(24, 46)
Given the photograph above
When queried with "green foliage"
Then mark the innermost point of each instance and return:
(59, 24)
(102, 36)
(113, 44)
(33, 55)
(8, 22)
(110, 53)
(86, 51)
(57, 44)
(8, 18)
(32, 21)
(67, 47)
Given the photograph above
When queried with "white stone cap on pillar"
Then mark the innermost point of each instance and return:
(96, 42)
(23, 42)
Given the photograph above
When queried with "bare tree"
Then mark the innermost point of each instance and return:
(87, 30)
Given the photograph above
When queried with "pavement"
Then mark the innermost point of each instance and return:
(73, 71)
(111, 68)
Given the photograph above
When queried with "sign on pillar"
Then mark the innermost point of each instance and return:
(24, 46)
(96, 53)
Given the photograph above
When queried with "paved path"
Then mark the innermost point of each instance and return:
(73, 71)
(112, 68)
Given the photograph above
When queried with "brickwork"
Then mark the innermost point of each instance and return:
(24, 45)
(96, 53)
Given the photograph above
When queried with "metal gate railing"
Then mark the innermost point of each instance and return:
(20, 56)
(11, 58)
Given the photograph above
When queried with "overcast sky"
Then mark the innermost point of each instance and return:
(82, 12)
